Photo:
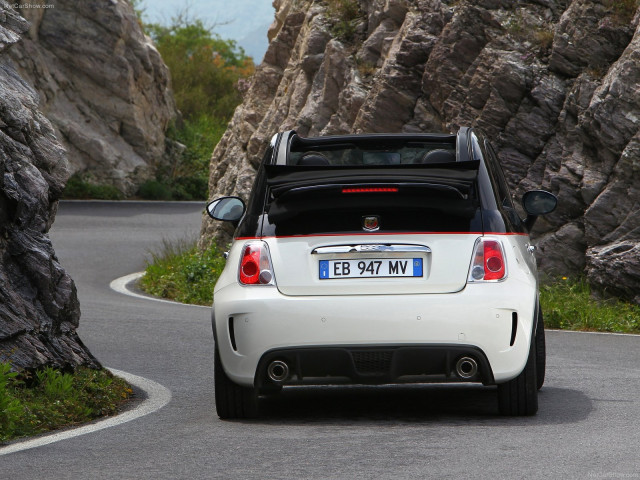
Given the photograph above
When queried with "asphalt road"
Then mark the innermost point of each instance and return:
(588, 425)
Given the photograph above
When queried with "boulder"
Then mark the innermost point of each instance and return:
(39, 308)
(102, 84)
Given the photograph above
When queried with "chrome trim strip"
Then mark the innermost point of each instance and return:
(370, 248)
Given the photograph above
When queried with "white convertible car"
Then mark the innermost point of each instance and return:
(379, 259)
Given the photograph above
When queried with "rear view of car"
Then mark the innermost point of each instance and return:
(378, 259)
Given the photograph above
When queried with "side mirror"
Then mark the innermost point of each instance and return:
(227, 209)
(536, 203)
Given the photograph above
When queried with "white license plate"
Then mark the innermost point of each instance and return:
(371, 268)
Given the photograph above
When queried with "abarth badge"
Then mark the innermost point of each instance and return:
(371, 223)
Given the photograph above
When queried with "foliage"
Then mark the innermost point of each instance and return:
(139, 9)
(182, 272)
(50, 399)
(543, 37)
(623, 10)
(80, 187)
(568, 304)
(525, 29)
(9, 406)
(205, 71)
(347, 13)
(186, 176)
(204, 67)
(365, 68)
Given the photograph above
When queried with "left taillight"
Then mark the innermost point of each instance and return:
(255, 265)
(489, 263)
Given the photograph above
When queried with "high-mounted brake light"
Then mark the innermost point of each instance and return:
(370, 190)
(255, 265)
(488, 261)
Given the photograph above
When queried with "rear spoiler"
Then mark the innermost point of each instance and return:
(446, 187)
(458, 177)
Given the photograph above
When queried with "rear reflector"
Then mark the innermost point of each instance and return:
(488, 262)
(370, 190)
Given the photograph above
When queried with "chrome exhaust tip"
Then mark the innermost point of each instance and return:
(466, 367)
(278, 371)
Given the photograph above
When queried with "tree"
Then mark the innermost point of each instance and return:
(204, 67)
(205, 70)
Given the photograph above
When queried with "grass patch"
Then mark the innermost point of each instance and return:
(180, 271)
(48, 399)
(544, 37)
(365, 68)
(81, 188)
(567, 304)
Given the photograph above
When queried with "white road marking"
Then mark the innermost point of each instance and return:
(120, 285)
(616, 334)
(157, 397)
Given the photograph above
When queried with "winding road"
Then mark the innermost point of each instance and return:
(588, 425)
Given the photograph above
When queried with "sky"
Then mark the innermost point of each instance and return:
(245, 21)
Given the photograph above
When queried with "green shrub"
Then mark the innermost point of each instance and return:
(54, 383)
(347, 13)
(190, 188)
(50, 399)
(181, 272)
(187, 177)
(155, 190)
(79, 187)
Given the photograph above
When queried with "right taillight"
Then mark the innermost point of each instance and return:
(488, 262)
(255, 265)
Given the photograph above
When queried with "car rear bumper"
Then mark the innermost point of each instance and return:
(373, 365)
(252, 323)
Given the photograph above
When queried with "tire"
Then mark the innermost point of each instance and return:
(232, 400)
(519, 397)
(541, 351)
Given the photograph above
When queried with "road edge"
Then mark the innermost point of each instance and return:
(120, 285)
(157, 397)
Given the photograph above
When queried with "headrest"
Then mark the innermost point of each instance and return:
(439, 156)
(313, 160)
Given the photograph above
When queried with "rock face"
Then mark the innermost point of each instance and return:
(103, 86)
(39, 309)
(556, 83)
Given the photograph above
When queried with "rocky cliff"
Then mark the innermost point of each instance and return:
(102, 84)
(39, 308)
(556, 83)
